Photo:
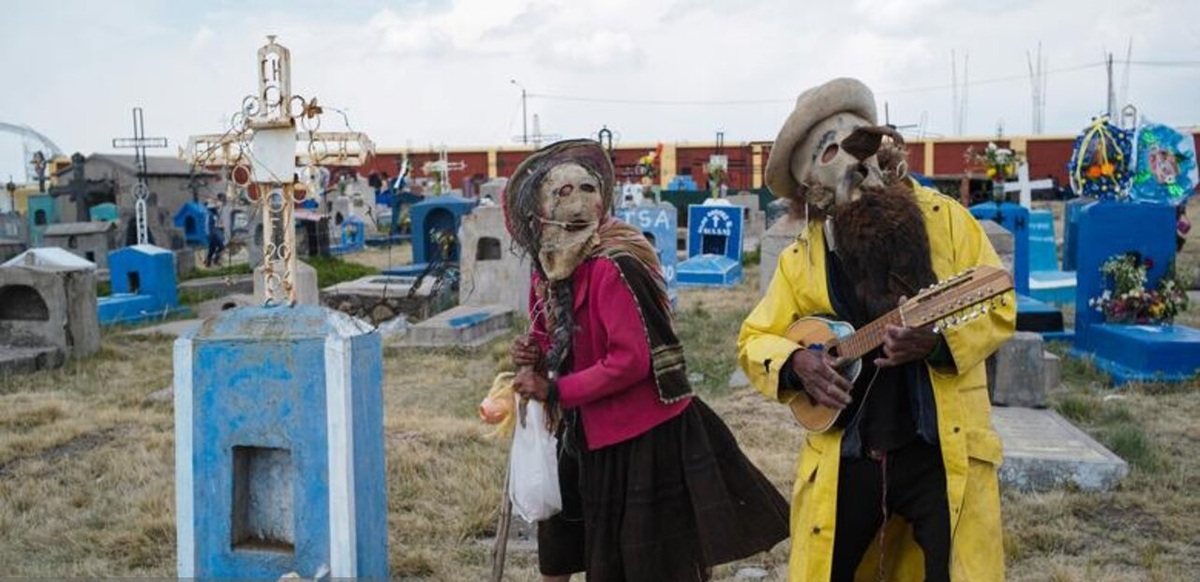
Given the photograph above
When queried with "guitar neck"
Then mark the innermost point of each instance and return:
(862, 341)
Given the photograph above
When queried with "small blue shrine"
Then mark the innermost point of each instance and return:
(435, 222)
(279, 457)
(42, 213)
(192, 219)
(143, 285)
(659, 223)
(714, 245)
(351, 236)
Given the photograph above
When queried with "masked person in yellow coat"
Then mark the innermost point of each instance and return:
(903, 485)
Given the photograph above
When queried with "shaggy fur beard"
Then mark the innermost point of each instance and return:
(882, 241)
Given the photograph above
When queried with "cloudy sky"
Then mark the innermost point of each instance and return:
(430, 72)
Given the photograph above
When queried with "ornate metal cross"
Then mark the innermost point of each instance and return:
(441, 170)
(261, 150)
(139, 142)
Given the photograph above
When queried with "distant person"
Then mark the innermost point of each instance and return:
(216, 237)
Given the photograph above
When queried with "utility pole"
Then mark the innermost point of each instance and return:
(524, 117)
(1112, 96)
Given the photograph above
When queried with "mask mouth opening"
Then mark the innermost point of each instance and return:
(577, 225)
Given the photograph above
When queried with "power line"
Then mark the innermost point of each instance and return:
(886, 92)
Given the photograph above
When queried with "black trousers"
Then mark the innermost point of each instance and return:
(915, 490)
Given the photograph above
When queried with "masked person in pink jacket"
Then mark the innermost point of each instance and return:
(654, 485)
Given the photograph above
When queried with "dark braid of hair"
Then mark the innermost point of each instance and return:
(562, 314)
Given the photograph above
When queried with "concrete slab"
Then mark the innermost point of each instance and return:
(172, 328)
(1043, 451)
(464, 325)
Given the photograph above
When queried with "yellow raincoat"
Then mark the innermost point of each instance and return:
(970, 447)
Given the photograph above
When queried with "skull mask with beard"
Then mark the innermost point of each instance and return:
(852, 174)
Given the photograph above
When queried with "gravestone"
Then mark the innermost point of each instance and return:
(1129, 352)
(1042, 451)
(659, 224)
(492, 271)
(351, 236)
(89, 240)
(279, 446)
(42, 212)
(192, 219)
(1047, 283)
(462, 325)
(753, 219)
(14, 227)
(46, 313)
(435, 226)
(379, 298)
(278, 409)
(1016, 372)
(782, 233)
(143, 285)
(714, 245)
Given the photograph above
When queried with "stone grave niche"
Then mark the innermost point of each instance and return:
(1129, 352)
(714, 245)
(192, 219)
(354, 208)
(435, 224)
(1047, 283)
(492, 272)
(279, 457)
(46, 313)
(89, 240)
(753, 219)
(143, 285)
(659, 223)
(42, 212)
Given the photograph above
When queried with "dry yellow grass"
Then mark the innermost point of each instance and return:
(87, 468)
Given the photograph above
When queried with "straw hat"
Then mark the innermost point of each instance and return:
(813, 106)
(520, 193)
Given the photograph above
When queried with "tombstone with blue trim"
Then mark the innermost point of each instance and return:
(1015, 219)
(1047, 283)
(659, 223)
(279, 445)
(433, 219)
(143, 285)
(1129, 351)
(192, 219)
(714, 245)
(352, 236)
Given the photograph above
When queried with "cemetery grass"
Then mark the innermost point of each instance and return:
(87, 463)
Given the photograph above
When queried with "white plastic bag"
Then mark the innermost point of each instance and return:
(533, 467)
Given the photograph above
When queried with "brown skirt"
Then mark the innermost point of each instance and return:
(665, 506)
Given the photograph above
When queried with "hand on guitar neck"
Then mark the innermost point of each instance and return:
(902, 345)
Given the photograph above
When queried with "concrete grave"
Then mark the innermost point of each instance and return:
(14, 227)
(42, 212)
(435, 227)
(1032, 314)
(777, 238)
(379, 298)
(464, 325)
(1047, 282)
(714, 245)
(279, 456)
(89, 240)
(192, 219)
(1016, 372)
(46, 313)
(492, 273)
(659, 223)
(1043, 451)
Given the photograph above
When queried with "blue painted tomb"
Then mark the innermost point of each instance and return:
(192, 219)
(714, 245)
(433, 219)
(42, 213)
(279, 453)
(1129, 352)
(143, 285)
(659, 223)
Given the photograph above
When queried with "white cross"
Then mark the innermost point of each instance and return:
(1025, 187)
(442, 168)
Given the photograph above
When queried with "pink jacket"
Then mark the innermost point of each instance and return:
(611, 382)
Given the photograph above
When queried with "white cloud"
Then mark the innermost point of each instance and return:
(598, 50)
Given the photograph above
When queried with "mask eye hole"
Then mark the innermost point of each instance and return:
(587, 188)
(831, 151)
(565, 190)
